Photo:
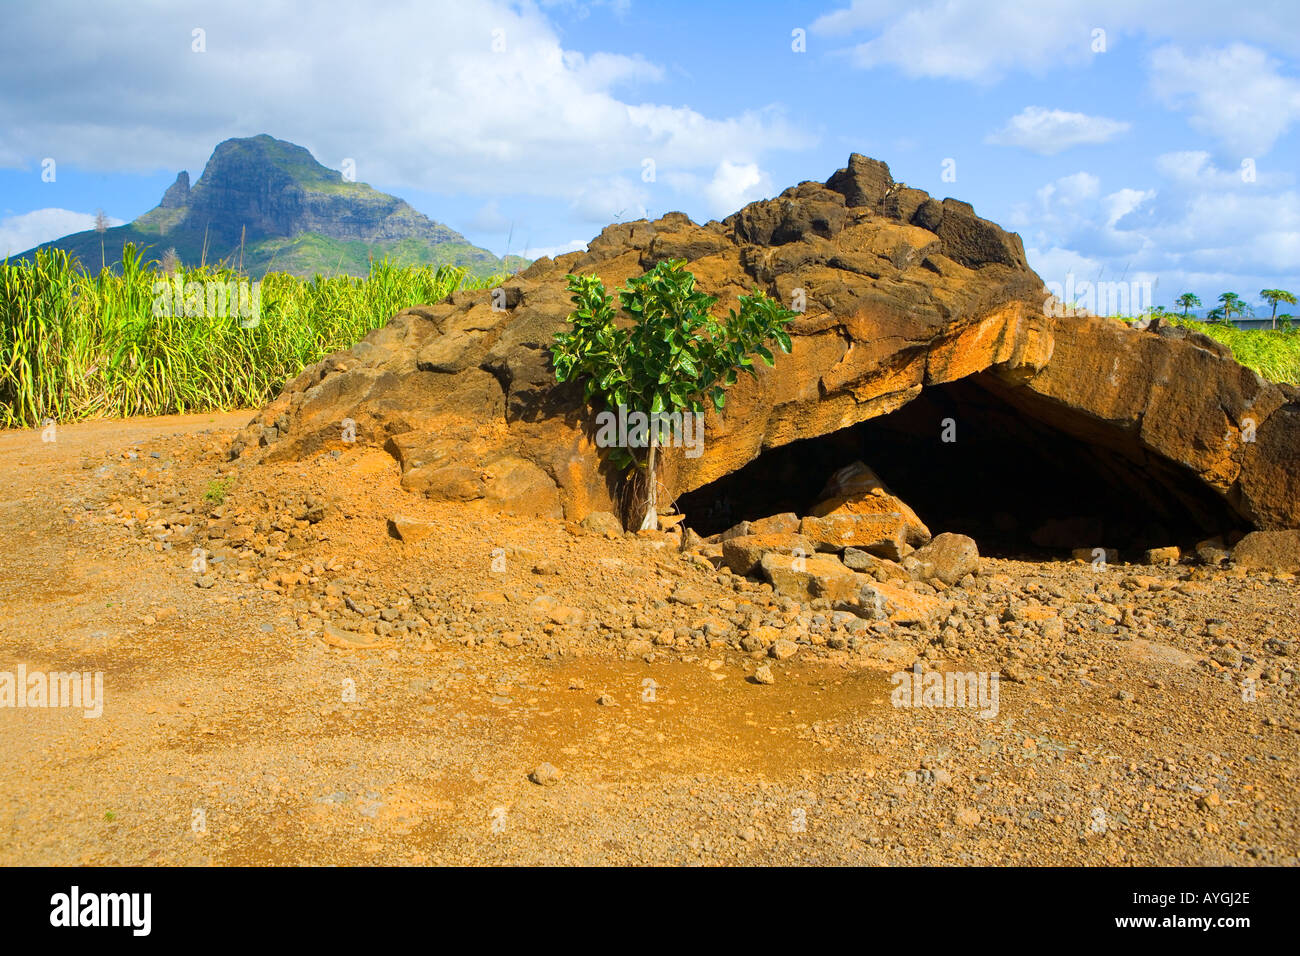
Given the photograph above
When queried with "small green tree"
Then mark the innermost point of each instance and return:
(1232, 305)
(1274, 296)
(1188, 301)
(668, 359)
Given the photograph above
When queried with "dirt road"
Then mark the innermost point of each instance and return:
(323, 693)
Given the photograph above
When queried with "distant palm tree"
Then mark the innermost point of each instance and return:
(1232, 305)
(1188, 301)
(1274, 296)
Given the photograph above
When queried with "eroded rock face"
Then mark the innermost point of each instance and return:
(901, 292)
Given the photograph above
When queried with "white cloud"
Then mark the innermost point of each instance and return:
(735, 185)
(1069, 190)
(488, 218)
(1234, 94)
(616, 199)
(983, 40)
(1048, 132)
(1122, 202)
(602, 70)
(582, 10)
(1195, 168)
(1242, 232)
(1189, 167)
(1054, 264)
(22, 232)
(573, 245)
(1201, 229)
(455, 117)
(964, 39)
(1073, 213)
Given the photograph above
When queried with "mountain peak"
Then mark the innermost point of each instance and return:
(276, 160)
(263, 187)
(265, 203)
(178, 193)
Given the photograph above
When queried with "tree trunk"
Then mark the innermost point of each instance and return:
(651, 520)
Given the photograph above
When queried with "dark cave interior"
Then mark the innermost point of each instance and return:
(1020, 475)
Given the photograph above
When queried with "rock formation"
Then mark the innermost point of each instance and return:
(902, 295)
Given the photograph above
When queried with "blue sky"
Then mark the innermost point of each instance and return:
(1110, 135)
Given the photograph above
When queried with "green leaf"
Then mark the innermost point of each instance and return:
(668, 351)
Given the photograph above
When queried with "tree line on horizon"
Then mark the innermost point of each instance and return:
(1231, 304)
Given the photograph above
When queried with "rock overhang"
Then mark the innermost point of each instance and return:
(900, 292)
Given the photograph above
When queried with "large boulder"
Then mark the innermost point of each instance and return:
(877, 600)
(1268, 550)
(886, 534)
(804, 579)
(744, 553)
(949, 558)
(900, 291)
(856, 510)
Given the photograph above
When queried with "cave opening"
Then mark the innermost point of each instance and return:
(1022, 476)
